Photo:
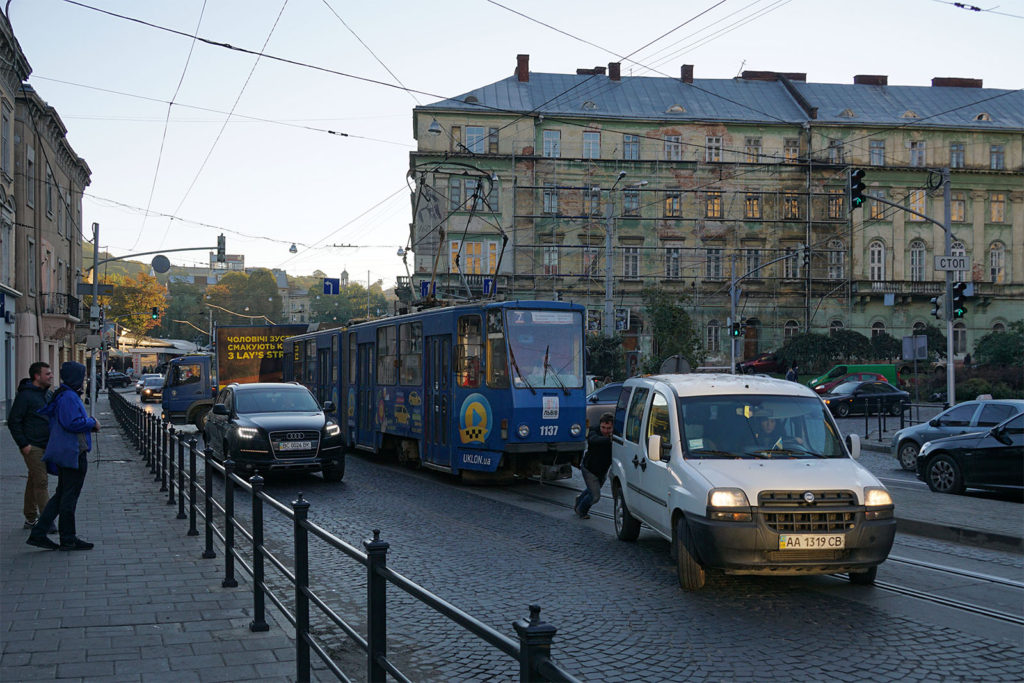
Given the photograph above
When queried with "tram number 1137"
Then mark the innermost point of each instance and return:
(549, 430)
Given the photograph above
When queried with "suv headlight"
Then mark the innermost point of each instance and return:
(247, 432)
(878, 498)
(728, 505)
(332, 429)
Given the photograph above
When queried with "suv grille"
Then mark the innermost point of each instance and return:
(277, 438)
(788, 512)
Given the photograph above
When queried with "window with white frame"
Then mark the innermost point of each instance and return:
(673, 259)
(956, 155)
(957, 207)
(877, 329)
(714, 337)
(997, 207)
(590, 262)
(916, 201)
(752, 149)
(877, 209)
(49, 191)
(752, 206)
(591, 144)
(631, 147)
(996, 158)
(712, 148)
(836, 260)
(551, 260)
(631, 202)
(673, 148)
(475, 139)
(791, 150)
(713, 262)
(550, 199)
(631, 262)
(713, 205)
(752, 262)
(492, 140)
(454, 193)
(876, 261)
(876, 153)
(553, 143)
(30, 256)
(673, 207)
(790, 330)
(792, 266)
(592, 201)
(835, 203)
(60, 213)
(917, 153)
(835, 151)
(917, 253)
(997, 262)
(958, 249)
(959, 338)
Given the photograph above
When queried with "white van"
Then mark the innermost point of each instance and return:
(745, 474)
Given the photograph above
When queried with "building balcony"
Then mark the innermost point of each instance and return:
(899, 287)
(60, 313)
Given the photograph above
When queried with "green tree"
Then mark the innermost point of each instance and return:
(1002, 348)
(809, 350)
(186, 316)
(133, 301)
(604, 356)
(849, 345)
(671, 328)
(884, 346)
(350, 303)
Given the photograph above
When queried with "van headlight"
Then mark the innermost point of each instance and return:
(728, 505)
(332, 429)
(878, 498)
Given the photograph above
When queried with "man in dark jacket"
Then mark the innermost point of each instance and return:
(595, 465)
(31, 431)
(69, 443)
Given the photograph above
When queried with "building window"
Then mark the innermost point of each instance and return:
(631, 202)
(752, 206)
(454, 193)
(551, 260)
(474, 140)
(957, 207)
(792, 266)
(631, 262)
(791, 329)
(714, 337)
(876, 261)
(60, 215)
(916, 201)
(673, 148)
(997, 262)
(30, 177)
(877, 209)
(959, 338)
(790, 206)
(553, 143)
(957, 249)
(876, 153)
(713, 263)
(835, 326)
(956, 155)
(997, 207)
(672, 263)
(752, 150)
(30, 256)
(592, 201)
(752, 261)
(712, 148)
(631, 147)
(473, 258)
(791, 150)
(672, 204)
(591, 144)
(5, 140)
(49, 191)
(877, 329)
(589, 261)
(999, 327)
(835, 151)
(550, 199)
(917, 250)
(917, 153)
(996, 158)
(835, 204)
(492, 140)
(713, 205)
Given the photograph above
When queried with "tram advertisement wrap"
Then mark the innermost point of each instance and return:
(252, 354)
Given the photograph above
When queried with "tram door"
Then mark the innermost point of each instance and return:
(366, 406)
(437, 399)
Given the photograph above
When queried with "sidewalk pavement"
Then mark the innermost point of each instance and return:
(142, 605)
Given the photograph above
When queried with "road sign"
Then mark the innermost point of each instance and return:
(85, 289)
(332, 285)
(951, 263)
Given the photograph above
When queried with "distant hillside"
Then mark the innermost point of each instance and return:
(125, 267)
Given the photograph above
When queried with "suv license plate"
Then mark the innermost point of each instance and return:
(295, 446)
(812, 541)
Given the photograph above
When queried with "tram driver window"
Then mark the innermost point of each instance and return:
(497, 362)
(469, 352)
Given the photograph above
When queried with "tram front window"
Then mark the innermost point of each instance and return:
(545, 349)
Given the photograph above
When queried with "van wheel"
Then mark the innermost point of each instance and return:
(627, 527)
(863, 578)
(907, 455)
(690, 572)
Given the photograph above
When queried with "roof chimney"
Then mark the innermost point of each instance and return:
(686, 73)
(523, 68)
(613, 71)
(951, 82)
(868, 79)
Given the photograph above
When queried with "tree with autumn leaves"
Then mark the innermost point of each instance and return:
(131, 305)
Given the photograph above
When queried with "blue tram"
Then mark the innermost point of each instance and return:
(491, 388)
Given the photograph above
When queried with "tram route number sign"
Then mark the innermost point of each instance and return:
(951, 263)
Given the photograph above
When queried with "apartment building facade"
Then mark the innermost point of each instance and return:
(702, 182)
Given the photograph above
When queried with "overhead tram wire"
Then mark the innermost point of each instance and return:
(238, 98)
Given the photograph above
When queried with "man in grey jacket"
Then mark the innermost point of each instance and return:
(31, 431)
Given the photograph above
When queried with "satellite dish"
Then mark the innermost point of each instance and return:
(674, 364)
(160, 264)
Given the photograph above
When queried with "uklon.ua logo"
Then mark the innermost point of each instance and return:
(475, 419)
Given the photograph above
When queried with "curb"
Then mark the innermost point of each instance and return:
(972, 537)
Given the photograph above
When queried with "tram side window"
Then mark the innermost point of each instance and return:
(334, 360)
(497, 362)
(298, 362)
(387, 358)
(310, 362)
(353, 358)
(469, 352)
(410, 353)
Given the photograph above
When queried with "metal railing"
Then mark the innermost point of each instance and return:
(58, 303)
(163, 450)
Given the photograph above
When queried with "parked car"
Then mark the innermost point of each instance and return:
(861, 397)
(964, 418)
(745, 474)
(993, 459)
(765, 362)
(142, 380)
(887, 370)
(853, 377)
(602, 401)
(152, 389)
(117, 379)
(275, 426)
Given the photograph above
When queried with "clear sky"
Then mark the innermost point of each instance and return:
(272, 174)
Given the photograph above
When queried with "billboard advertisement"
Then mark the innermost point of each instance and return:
(252, 353)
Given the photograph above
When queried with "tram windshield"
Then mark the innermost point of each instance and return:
(545, 348)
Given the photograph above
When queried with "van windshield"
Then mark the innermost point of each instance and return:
(758, 427)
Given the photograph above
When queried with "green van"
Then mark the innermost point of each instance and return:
(887, 370)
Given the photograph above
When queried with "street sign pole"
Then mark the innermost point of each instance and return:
(950, 370)
(94, 382)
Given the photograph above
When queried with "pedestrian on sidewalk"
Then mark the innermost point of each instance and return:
(31, 431)
(66, 450)
(793, 373)
(595, 464)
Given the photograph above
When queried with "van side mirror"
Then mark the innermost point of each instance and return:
(853, 445)
(329, 407)
(220, 409)
(657, 449)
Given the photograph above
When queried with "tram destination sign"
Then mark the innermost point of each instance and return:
(950, 263)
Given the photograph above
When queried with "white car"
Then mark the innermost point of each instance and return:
(748, 475)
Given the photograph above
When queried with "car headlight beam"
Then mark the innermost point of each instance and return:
(332, 429)
(247, 432)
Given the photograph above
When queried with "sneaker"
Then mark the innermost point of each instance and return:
(77, 544)
(584, 516)
(43, 542)
(28, 524)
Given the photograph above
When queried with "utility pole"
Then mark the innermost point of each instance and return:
(609, 316)
(94, 383)
(950, 371)
(734, 295)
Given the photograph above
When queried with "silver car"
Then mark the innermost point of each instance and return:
(963, 418)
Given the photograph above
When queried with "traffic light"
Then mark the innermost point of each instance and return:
(857, 188)
(959, 309)
(154, 313)
(743, 327)
(736, 329)
(937, 307)
(221, 256)
(806, 257)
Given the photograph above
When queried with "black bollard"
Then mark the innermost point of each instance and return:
(259, 621)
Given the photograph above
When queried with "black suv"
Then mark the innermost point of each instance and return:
(271, 427)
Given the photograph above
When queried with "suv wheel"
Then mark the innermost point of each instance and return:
(689, 570)
(907, 455)
(627, 527)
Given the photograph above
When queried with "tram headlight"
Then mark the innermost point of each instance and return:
(523, 431)
(575, 430)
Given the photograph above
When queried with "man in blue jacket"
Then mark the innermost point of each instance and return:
(70, 441)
